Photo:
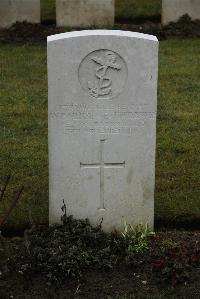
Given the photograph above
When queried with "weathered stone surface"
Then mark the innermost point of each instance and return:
(172, 10)
(85, 13)
(12, 11)
(102, 126)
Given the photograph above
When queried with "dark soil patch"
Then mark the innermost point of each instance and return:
(76, 260)
(37, 33)
(28, 33)
(187, 222)
(185, 28)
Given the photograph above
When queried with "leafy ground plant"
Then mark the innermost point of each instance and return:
(65, 251)
(134, 239)
(76, 258)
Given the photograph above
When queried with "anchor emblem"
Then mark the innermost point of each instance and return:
(103, 86)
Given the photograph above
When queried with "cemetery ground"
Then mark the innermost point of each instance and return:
(75, 260)
(24, 154)
(174, 269)
(170, 266)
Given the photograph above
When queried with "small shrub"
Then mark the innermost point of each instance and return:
(133, 239)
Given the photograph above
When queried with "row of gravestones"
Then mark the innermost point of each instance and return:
(87, 13)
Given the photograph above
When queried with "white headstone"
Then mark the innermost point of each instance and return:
(102, 126)
(172, 10)
(85, 13)
(12, 11)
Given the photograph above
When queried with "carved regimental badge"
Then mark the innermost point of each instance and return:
(103, 74)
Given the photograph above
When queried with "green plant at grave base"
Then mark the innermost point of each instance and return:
(134, 239)
(64, 251)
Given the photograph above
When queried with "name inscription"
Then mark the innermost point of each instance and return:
(102, 119)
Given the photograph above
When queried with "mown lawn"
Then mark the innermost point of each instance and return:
(133, 8)
(23, 134)
(123, 8)
(48, 10)
(23, 122)
(178, 142)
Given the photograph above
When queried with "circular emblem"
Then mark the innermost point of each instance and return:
(103, 74)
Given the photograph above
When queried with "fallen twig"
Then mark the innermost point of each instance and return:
(3, 190)
(15, 201)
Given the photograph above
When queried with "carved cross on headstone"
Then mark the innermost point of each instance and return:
(102, 165)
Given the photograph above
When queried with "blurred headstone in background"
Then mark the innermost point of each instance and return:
(12, 11)
(172, 10)
(85, 13)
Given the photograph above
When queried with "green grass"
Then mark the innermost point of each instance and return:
(134, 8)
(178, 142)
(23, 134)
(123, 8)
(48, 10)
(23, 122)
